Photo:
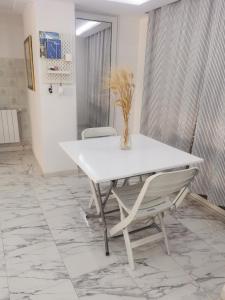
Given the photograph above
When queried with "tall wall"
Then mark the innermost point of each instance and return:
(53, 117)
(130, 54)
(12, 71)
(81, 78)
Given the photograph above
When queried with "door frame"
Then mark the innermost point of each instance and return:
(114, 21)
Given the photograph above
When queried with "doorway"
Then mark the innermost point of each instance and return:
(93, 67)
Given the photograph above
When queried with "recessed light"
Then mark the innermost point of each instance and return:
(133, 2)
(86, 26)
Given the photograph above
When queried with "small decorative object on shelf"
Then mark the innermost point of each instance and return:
(122, 85)
(68, 57)
(55, 68)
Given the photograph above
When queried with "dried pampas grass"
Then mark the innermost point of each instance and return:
(122, 85)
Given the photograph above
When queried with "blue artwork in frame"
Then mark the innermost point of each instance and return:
(53, 49)
(50, 45)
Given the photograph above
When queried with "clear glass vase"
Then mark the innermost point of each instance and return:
(125, 140)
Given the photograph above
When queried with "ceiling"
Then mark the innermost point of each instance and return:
(100, 6)
(114, 8)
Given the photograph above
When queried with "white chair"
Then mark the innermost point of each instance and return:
(96, 132)
(150, 200)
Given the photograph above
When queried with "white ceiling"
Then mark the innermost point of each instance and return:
(107, 7)
(100, 6)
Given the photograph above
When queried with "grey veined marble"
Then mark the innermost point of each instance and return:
(49, 251)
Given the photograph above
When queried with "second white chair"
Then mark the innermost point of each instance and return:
(149, 200)
(97, 132)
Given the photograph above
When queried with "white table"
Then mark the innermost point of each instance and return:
(102, 160)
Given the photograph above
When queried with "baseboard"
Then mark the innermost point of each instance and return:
(206, 203)
(62, 173)
(13, 148)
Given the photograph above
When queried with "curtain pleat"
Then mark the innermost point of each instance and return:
(209, 142)
(98, 68)
(184, 91)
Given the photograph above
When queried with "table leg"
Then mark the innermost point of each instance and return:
(101, 205)
(104, 199)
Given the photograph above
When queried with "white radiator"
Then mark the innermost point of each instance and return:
(9, 127)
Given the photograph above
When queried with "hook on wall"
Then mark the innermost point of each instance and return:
(50, 89)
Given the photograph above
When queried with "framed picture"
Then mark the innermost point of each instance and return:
(29, 63)
(45, 37)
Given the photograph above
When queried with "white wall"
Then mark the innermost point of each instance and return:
(130, 55)
(30, 28)
(53, 117)
(82, 104)
(11, 35)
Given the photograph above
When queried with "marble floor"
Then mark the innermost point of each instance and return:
(49, 251)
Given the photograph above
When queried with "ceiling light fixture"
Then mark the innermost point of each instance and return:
(133, 2)
(86, 26)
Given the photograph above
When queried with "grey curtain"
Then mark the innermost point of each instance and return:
(209, 141)
(183, 90)
(98, 68)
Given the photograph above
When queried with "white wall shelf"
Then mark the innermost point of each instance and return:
(59, 72)
(64, 74)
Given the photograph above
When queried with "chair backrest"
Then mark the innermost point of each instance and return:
(169, 184)
(98, 132)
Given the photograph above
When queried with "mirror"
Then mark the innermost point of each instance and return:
(93, 65)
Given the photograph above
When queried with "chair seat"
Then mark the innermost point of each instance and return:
(128, 195)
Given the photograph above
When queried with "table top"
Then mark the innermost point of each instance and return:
(102, 160)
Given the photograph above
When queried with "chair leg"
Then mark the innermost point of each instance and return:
(94, 198)
(129, 248)
(127, 242)
(164, 232)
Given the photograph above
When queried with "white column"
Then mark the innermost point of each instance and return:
(53, 117)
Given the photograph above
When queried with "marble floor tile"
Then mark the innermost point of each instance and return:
(41, 260)
(193, 209)
(41, 289)
(4, 291)
(21, 237)
(61, 217)
(81, 258)
(211, 231)
(2, 260)
(195, 255)
(22, 198)
(162, 278)
(22, 218)
(211, 280)
(112, 282)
